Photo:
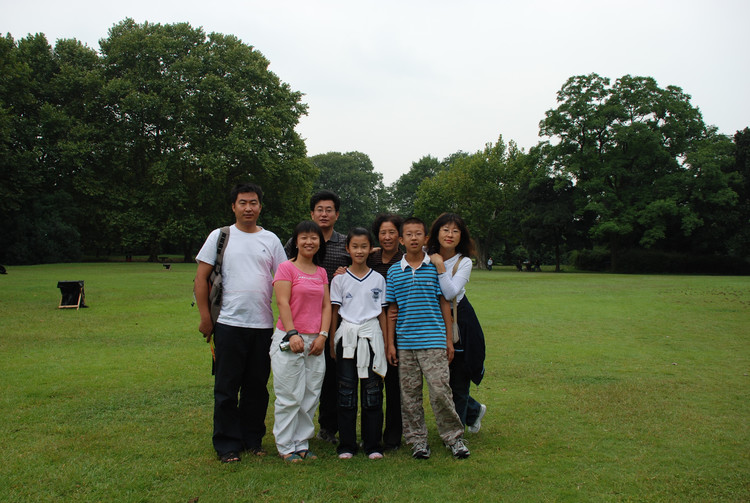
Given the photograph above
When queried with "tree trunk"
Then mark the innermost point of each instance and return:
(187, 252)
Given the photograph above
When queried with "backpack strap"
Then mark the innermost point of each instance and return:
(220, 247)
(456, 337)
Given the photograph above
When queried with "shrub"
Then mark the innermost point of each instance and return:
(598, 259)
(660, 262)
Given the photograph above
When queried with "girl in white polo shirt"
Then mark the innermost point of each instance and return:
(358, 345)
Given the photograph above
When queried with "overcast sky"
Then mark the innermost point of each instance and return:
(399, 80)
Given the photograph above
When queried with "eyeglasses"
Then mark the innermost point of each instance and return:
(327, 211)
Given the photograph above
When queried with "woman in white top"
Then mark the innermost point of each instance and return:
(450, 248)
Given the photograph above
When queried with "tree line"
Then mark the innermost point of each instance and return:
(132, 150)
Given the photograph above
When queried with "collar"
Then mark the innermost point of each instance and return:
(336, 237)
(404, 264)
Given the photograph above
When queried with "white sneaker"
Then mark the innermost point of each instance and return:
(375, 455)
(459, 450)
(474, 428)
(346, 455)
(420, 450)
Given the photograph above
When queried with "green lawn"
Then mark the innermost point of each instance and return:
(598, 388)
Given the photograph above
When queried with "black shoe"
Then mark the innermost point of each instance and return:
(327, 436)
(257, 451)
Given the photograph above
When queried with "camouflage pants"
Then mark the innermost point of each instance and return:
(432, 364)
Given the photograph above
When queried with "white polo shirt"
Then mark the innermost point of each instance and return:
(361, 299)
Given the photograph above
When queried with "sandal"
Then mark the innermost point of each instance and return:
(257, 451)
(291, 458)
(229, 457)
(306, 454)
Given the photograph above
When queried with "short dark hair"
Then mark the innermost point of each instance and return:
(241, 188)
(304, 227)
(359, 231)
(465, 246)
(412, 220)
(325, 195)
(387, 217)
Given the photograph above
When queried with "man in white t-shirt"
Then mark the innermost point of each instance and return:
(242, 334)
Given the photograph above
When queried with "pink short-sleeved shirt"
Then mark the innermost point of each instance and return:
(306, 300)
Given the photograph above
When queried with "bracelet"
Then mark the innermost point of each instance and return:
(324, 334)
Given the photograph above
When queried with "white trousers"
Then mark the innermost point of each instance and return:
(297, 380)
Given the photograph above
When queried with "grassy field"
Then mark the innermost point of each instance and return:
(598, 388)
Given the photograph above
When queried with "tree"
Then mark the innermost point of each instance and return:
(353, 178)
(712, 194)
(476, 187)
(623, 146)
(37, 208)
(191, 115)
(404, 190)
(16, 144)
(142, 143)
(545, 205)
(739, 244)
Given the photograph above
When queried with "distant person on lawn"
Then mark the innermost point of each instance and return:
(242, 334)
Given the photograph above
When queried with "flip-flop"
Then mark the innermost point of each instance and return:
(306, 454)
(291, 458)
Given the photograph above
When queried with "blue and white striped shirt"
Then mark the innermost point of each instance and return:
(420, 322)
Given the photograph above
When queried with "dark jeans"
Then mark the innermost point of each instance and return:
(393, 427)
(242, 369)
(327, 416)
(466, 407)
(371, 395)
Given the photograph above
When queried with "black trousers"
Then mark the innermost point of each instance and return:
(240, 387)
(327, 415)
(371, 398)
(466, 406)
(393, 427)
(468, 324)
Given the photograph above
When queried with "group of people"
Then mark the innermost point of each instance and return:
(353, 319)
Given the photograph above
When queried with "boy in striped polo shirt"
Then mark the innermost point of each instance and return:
(425, 344)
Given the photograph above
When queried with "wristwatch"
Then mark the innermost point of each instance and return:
(289, 334)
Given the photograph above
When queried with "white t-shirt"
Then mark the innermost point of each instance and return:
(361, 299)
(250, 261)
(455, 285)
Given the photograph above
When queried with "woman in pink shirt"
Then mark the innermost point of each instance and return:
(304, 305)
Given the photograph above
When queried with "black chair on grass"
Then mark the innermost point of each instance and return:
(73, 295)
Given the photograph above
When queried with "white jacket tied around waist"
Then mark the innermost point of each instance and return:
(361, 338)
